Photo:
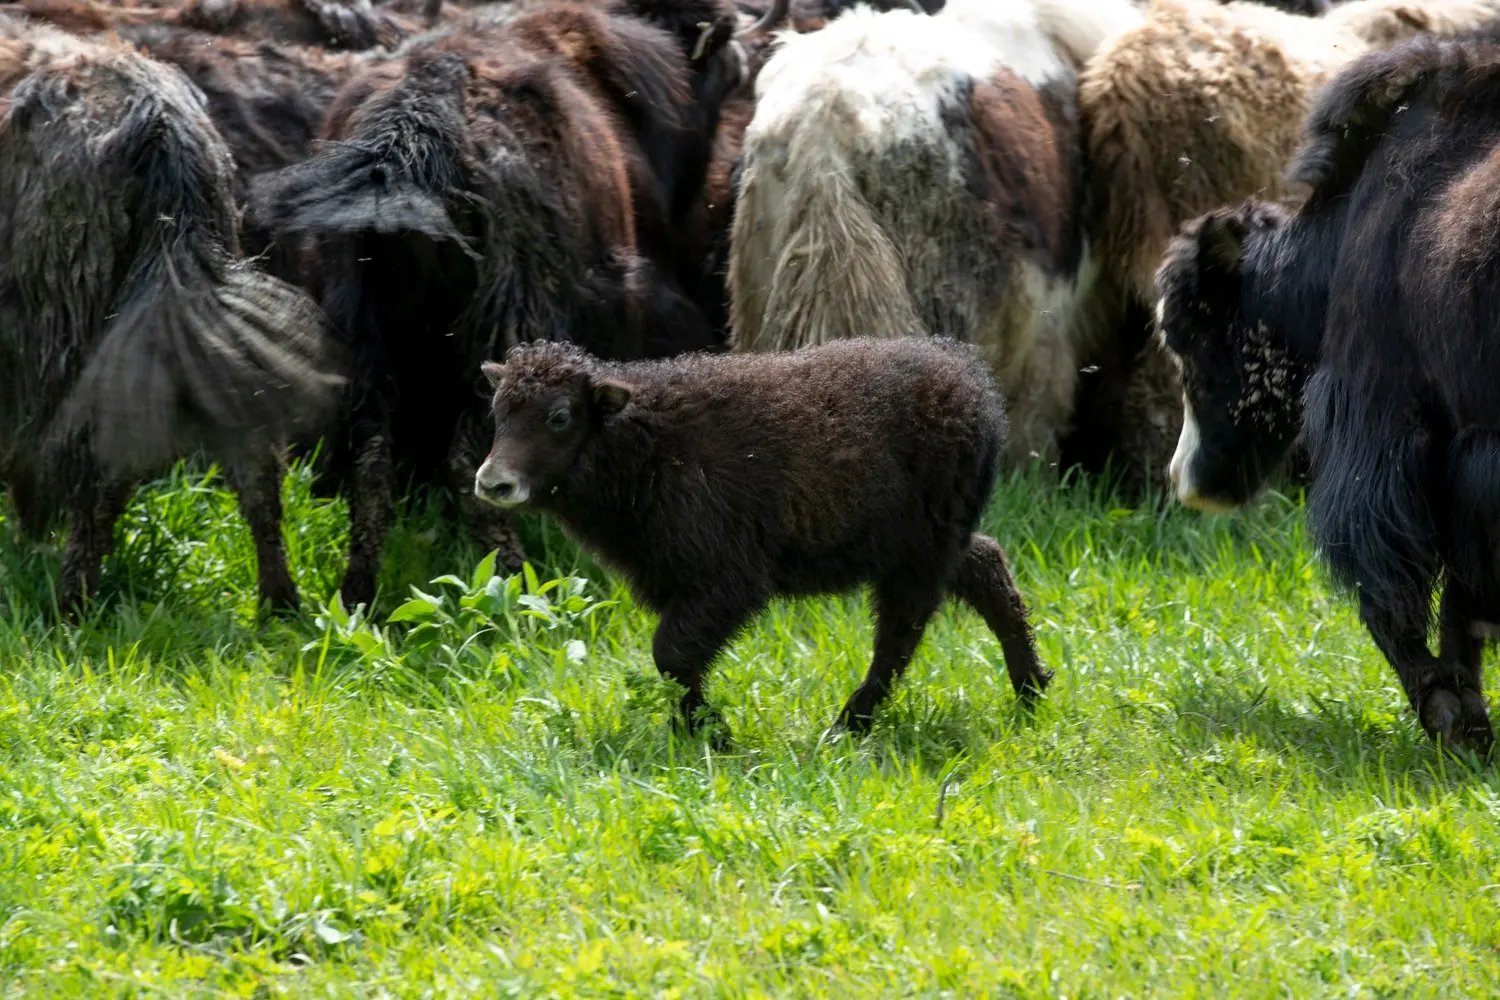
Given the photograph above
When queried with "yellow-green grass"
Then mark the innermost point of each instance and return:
(1223, 795)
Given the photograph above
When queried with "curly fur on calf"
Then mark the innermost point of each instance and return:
(131, 332)
(907, 175)
(715, 483)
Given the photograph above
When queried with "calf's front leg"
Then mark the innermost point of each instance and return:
(692, 631)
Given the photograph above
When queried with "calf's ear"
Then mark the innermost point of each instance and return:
(492, 372)
(610, 396)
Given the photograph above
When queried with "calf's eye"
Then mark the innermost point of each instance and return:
(559, 420)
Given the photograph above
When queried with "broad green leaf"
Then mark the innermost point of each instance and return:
(414, 610)
(484, 571)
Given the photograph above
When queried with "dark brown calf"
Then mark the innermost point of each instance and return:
(717, 482)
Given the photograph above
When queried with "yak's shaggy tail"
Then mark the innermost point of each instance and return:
(810, 262)
(392, 179)
(205, 352)
(165, 341)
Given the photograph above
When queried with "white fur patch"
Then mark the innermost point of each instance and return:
(1181, 469)
(490, 476)
(885, 74)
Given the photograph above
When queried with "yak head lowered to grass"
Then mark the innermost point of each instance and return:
(1244, 359)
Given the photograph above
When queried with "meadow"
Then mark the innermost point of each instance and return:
(476, 791)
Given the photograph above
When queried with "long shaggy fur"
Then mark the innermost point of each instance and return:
(347, 25)
(484, 189)
(906, 175)
(131, 330)
(267, 100)
(1384, 281)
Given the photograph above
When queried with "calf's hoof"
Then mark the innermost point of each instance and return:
(854, 722)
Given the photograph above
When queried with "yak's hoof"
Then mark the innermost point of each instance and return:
(281, 602)
(1034, 688)
(853, 722)
(705, 722)
(1477, 734)
(1442, 716)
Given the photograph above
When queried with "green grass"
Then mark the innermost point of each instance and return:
(1223, 794)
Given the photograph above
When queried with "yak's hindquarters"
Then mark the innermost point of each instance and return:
(809, 259)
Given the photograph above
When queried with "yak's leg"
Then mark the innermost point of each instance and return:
(1461, 650)
(691, 633)
(372, 508)
(257, 482)
(984, 582)
(902, 609)
(494, 529)
(1402, 637)
(90, 538)
(1471, 563)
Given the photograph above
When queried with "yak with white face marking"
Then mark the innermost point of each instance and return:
(907, 175)
(1197, 108)
(1370, 319)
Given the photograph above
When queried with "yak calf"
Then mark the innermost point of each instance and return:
(715, 483)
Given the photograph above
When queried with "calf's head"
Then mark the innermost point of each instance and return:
(1242, 385)
(549, 401)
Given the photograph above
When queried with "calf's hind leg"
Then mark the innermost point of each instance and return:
(902, 609)
(983, 582)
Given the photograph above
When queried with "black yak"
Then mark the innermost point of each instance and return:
(714, 483)
(1370, 321)
(1197, 108)
(494, 184)
(131, 332)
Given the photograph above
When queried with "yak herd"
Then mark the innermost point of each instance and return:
(711, 240)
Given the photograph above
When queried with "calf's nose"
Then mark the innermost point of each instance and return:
(500, 486)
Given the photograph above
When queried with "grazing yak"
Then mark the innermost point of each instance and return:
(911, 175)
(1376, 307)
(493, 184)
(1197, 108)
(715, 483)
(131, 331)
